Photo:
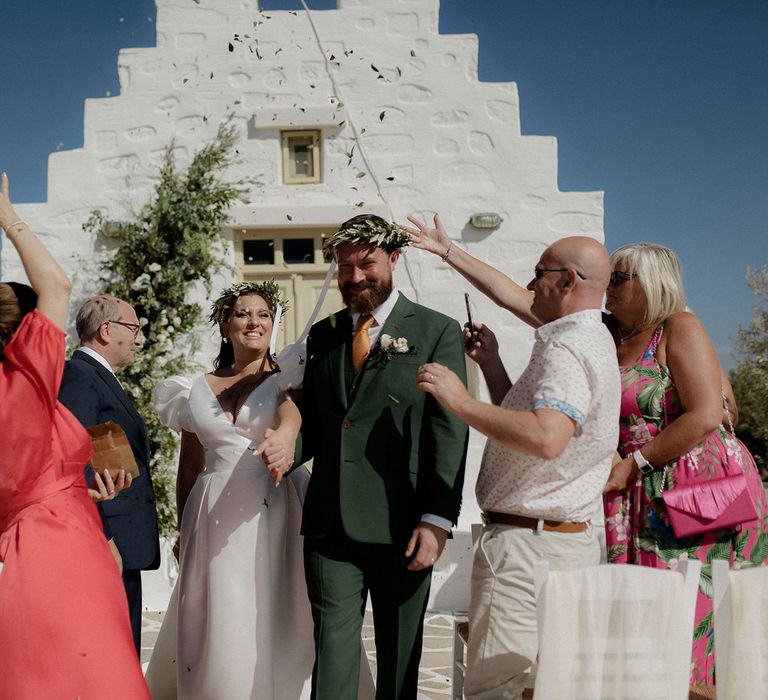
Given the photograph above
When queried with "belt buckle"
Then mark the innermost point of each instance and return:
(484, 518)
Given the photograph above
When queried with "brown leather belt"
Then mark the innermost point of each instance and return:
(533, 523)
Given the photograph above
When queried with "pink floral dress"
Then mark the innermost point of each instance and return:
(637, 526)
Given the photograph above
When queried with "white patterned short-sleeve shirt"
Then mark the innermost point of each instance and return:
(573, 369)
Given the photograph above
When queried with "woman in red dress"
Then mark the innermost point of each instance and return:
(64, 630)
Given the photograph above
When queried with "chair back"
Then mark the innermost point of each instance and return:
(615, 631)
(741, 631)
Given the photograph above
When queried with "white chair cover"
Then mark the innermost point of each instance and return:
(741, 631)
(615, 631)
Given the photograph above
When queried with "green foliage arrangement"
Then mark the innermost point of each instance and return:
(171, 246)
(750, 377)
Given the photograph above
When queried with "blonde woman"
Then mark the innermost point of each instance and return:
(671, 421)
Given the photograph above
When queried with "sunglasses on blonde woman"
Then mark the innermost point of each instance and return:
(618, 277)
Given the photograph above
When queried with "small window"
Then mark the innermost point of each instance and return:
(301, 157)
(299, 251)
(259, 252)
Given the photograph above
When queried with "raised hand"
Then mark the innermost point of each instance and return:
(8, 214)
(45, 275)
(433, 240)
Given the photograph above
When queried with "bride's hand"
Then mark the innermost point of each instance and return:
(277, 452)
(433, 240)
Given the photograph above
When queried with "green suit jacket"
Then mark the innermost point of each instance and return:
(384, 452)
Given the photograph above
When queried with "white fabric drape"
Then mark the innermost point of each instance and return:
(746, 651)
(615, 631)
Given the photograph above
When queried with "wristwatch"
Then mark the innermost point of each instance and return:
(642, 463)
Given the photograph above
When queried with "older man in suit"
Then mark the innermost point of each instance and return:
(110, 334)
(388, 465)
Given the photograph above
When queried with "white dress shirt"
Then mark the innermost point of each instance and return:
(99, 358)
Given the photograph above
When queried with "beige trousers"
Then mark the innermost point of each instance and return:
(503, 641)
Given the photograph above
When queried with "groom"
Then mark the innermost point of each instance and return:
(388, 465)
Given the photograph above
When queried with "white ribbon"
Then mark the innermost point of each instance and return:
(312, 317)
(275, 331)
(319, 304)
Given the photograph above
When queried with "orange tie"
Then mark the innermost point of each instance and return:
(361, 343)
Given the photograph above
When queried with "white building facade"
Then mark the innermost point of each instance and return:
(366, 108)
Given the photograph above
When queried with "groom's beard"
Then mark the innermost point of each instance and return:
(365, 297)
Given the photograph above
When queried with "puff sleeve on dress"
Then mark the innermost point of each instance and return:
(30, 375)
(171, 401)
(32, 367)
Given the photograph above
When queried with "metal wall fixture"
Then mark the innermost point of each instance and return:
(486, 219)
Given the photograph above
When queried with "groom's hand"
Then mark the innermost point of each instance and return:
(426, 546)
(277, 453)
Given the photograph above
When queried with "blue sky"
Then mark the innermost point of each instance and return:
(662, 104)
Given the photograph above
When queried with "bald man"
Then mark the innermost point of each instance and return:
(110, 335)
(551, 436)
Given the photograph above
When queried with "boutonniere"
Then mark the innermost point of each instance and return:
(394, 346)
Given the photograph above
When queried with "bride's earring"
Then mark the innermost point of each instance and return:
(225, 340)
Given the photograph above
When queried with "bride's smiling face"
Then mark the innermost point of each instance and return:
(250, 324)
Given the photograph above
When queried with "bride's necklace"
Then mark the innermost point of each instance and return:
(624, 338)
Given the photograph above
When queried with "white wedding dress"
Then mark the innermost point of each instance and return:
(238, 625)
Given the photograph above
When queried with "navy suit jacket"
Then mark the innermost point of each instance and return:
(93, 394)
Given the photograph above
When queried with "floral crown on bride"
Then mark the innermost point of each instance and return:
(269, 291)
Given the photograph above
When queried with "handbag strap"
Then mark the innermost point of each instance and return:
(665, 473)
(737, 446)
(654, 348)
(727, 412)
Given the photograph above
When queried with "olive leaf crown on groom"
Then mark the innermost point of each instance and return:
(366, 229)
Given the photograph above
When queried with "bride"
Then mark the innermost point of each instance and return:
(238, 625)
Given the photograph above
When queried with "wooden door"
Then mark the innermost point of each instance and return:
(293, 258)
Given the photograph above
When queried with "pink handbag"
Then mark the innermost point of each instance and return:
(696, 505)
(717, 504)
